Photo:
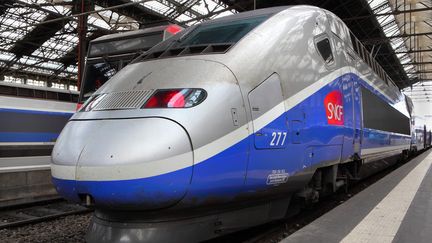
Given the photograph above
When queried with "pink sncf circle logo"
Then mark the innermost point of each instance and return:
(333, 103)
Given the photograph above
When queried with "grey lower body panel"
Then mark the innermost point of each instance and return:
(188, 229)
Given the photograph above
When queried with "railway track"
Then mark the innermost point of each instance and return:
(30, 213)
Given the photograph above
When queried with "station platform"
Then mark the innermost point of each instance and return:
(25, 179)
(398, 208)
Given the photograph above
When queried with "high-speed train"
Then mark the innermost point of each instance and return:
(421, 136)
(219, 127)
(31, 119)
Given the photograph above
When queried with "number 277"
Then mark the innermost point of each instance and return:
(278, 138)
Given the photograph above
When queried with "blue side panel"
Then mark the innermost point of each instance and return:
(28, 137)
(311, 140)
(221, 177)
(374, 138)
(147, 193)
(31, 126)
(51, 113)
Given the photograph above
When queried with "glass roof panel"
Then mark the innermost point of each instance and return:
(12, 21)
(60, 44)
(20, 18)
(390, 28)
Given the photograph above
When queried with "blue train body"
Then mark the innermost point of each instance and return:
(30, 127)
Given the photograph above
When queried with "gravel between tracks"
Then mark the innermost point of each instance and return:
(66, 229)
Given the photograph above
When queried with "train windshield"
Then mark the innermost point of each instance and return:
(125, 45)
(108, 54)
(97, 73)
(223, 32)
(215, 32)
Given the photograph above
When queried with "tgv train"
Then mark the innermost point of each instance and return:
(219, 127)
(421, 137)
(31, 118)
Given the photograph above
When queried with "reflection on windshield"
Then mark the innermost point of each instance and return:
(225, 32)
(96, 74)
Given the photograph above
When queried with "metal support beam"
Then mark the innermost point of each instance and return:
(396, 12)
(416, 63)
(418, 72)
(82, 42)
(413, 51)
(387, 39)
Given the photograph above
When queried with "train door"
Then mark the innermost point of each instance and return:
(358, 117)
(270, 134)
(352, 111)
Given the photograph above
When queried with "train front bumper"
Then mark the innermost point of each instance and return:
(141, 163)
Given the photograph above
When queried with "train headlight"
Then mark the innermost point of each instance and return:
(176, 98)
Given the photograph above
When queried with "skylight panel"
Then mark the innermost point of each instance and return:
(156, 6)
(60, 44)
(72, 69)
(390, 28)
(183, 18)
(6, 56)
(98, 22)
(112, 20)
(12, 21)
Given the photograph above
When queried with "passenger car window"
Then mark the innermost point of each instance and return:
(325, 50)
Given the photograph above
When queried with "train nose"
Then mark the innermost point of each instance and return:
(145, 163)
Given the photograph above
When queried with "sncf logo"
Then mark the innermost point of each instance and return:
(334, 108)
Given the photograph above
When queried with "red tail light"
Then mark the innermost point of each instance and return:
(173, 29)
(176, 98)
(78, 106)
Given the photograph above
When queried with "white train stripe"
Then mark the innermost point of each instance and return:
(122, 172)
(36, 104)
(369, 151)
(383, 222)
(25, 168)
(64, 172)
(205, 152)
(25, 143)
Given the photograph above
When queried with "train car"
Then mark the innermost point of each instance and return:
(419, 134)
(428, 139)
(219, 127)
(109, 53)
(31, 119)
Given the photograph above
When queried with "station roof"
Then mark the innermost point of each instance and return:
(39, 40)
(39, 37)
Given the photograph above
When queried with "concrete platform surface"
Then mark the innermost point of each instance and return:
(398, 208)
(25, 179)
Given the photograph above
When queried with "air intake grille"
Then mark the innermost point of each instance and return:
(123, 100)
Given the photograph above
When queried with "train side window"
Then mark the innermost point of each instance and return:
(324, 48)
(380, 115)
